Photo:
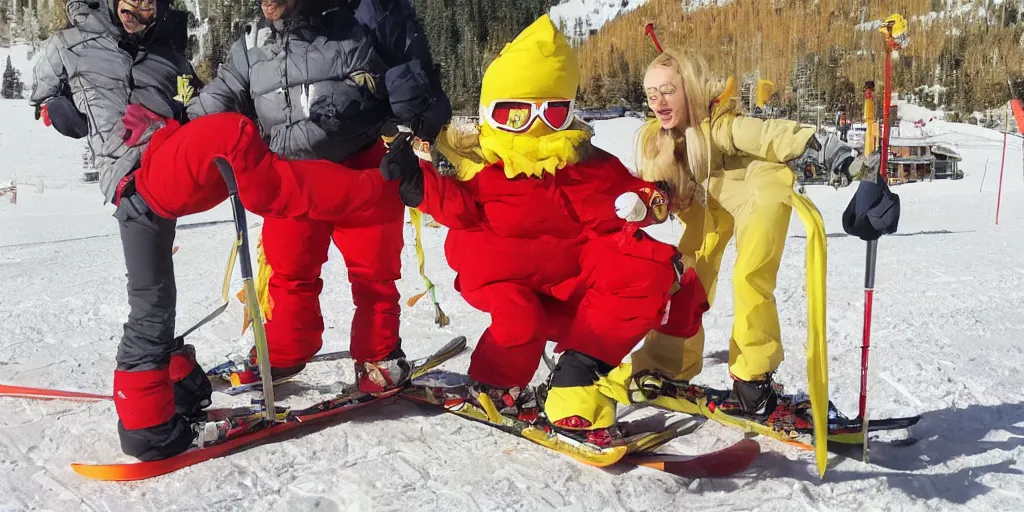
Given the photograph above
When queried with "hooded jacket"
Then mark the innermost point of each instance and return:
(104, 69)
(313, 81)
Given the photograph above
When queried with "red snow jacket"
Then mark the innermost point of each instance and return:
(531, 230)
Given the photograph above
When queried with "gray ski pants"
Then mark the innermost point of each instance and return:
(147, 240)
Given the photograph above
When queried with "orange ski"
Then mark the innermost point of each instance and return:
(50, 394)
(149, 469)
(342, 403)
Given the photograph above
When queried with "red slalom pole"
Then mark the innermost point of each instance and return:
(649, 29)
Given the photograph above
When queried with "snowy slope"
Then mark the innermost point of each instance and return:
(590, 14)
(593, 14)
(946, 344)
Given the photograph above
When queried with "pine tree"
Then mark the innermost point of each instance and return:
(12, 86)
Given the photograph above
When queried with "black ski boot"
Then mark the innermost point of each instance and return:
(159, 442)
(754, 398)
(192, 388)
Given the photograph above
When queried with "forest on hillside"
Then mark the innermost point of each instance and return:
(821, 52)
(817, 52)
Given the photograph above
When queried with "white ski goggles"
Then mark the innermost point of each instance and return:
(517, 116)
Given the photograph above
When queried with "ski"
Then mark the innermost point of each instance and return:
(446, 390)
(790, 423)
(238, 363)
(221, 435)
(61, 394)
(234, 372)
(725, 462)
(50, 394)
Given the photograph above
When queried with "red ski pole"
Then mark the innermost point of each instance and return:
(891, 44)
(649, 28)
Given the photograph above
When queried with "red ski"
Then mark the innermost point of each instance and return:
(149, 469)
(247, 433)
(50, 394)
(728, 461)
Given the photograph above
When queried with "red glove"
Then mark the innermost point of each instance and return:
(634, 241)
(139, 124)
(686, 308)
(45, 114)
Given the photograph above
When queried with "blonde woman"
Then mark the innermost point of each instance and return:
(728, 175)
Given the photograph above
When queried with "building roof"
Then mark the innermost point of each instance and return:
(912, 160)
(946, 151)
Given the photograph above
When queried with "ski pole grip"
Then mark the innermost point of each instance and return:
(649, 29)
(228, 174)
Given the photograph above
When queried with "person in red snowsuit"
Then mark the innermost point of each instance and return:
(323, 111)
(535, 237)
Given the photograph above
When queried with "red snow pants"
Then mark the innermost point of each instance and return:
(603, 312)
(371, 243)
(177, 176)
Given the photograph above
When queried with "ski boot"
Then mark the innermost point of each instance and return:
(514, 402)
(654, 388)
(375, 377)
(192, 389)
(575, 401)
(754, 399)
(149, 425)
(276, 374)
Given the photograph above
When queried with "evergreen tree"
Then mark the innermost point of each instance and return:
(12, 86)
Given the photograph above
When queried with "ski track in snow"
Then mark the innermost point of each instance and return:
(946, 343)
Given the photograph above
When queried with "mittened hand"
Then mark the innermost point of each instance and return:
(401, 163)
(400, 159)
(43, 112)
(61, 113)
(645, 206)
(139, 124)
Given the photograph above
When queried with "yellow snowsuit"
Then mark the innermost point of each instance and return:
(750, 195)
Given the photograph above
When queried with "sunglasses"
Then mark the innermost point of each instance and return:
(517, 116)
(656, 93)
(145, 6)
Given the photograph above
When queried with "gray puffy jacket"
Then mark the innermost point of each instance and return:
(104, 69)
(314, 83)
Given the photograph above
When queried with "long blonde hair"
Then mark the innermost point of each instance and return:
(680, 157)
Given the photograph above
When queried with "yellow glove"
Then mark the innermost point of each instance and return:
(185, 89)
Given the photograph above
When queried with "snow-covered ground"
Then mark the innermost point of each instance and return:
(946, 344)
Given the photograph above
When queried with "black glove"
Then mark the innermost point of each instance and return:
(401, 163)
(417, 99)
(65, 118)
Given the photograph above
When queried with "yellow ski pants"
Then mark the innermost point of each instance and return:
(755, 204)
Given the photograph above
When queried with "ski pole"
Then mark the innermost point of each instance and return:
(251, 300)
(892, 43)
(649, 29)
